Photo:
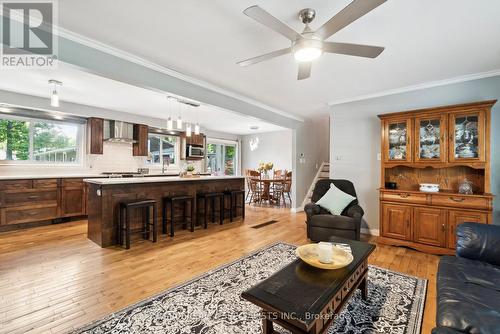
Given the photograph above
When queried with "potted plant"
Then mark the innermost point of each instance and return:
(190, 169)
(264, 168)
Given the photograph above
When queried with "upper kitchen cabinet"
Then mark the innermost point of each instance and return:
(468, 136)
(140, 146)
(430, 138)
(396, 140)
(95, 133)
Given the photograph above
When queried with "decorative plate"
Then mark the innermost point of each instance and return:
(309, 254)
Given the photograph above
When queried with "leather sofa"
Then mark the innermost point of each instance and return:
(321, 225)
(468, 284)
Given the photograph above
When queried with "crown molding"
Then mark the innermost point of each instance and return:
(430, 84)
(65, 33)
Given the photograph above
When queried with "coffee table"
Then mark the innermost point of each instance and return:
(305, 299)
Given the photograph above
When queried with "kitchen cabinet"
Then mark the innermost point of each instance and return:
(95, 134)
(140, 147)
(37, 201)
(73, 198)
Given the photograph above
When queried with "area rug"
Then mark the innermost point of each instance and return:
(211, 303)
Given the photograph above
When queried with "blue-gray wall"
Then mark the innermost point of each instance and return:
(355, 135)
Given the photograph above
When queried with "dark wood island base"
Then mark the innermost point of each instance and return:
(105, 196)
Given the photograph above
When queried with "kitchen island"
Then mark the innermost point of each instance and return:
(106, 194)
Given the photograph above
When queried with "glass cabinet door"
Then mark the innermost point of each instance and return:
(467, 136)
(397, 140)
(430, 139)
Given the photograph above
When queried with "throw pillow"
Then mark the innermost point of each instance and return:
(335, 200)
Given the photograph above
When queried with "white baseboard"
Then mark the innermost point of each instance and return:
(374, 231)
(299, 209)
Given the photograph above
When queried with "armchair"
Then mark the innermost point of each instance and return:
(321, 224)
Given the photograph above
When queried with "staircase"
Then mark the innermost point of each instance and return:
(323, 173)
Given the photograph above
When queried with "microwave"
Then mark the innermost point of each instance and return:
(193, 151)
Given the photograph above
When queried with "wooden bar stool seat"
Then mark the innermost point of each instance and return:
(124, 220)
(234, 205)
(185, 219)
(210, 199)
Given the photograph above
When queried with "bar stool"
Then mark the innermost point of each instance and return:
(183, 200)
(210, 198)
(233, 203)
(124, 220)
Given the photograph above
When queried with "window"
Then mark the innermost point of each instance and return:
(162, 149)
(40, 141)
(222, 157)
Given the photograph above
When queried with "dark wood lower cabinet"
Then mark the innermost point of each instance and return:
(24, 203)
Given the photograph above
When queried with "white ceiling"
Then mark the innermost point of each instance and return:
(425, 40)
(89, 89)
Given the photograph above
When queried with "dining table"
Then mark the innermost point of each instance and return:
(267, 183)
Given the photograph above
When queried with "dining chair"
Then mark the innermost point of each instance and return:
(278, 173)
(287, 187)
(255, 186)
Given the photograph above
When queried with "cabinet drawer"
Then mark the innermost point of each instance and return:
(15, 184)
(26, 197)
(405, 197)
(20, 215)
(70, 183)
(463, 202)
(45, 183)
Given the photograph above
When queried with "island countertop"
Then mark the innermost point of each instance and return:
(157, 179)
(105, 195)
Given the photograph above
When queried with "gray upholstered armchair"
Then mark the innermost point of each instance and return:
(321, 224)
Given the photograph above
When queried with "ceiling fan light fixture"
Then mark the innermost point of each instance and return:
(306, 50)
(307, 54)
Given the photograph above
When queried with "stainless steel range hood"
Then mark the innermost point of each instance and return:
(118, 132)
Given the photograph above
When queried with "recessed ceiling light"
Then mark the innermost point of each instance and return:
(254, 127)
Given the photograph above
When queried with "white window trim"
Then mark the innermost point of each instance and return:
(80, 140)
(171, 167)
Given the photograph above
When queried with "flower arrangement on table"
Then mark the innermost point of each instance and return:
(265, 167)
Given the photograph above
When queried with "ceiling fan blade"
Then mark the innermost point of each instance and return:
(346, 16)
(263, 17)
(304, 70)
(264, 57)
(358, 50)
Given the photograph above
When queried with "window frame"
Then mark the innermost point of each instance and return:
(80, 143)
(177, 151)
(226, 142)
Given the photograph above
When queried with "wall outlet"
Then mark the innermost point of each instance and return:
(379, 156)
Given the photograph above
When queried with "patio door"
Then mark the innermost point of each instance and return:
(222, 157)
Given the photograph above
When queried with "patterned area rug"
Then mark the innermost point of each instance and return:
(211, 303)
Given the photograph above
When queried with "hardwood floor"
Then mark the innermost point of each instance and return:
(53, 279)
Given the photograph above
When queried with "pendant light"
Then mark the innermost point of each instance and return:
(179, 120)
(197, 125)
(170, 123)
(188, 130)
(54, 98)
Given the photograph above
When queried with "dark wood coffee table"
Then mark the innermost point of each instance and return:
(304, 299)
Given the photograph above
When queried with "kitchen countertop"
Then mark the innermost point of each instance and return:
(158, 179)
(72, 175)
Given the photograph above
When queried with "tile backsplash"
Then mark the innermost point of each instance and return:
(116, 157)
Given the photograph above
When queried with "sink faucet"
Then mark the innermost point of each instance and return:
(166, 160)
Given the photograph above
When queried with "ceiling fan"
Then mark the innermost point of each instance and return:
(310, 45)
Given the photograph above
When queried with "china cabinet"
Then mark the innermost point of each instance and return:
(448, 146)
